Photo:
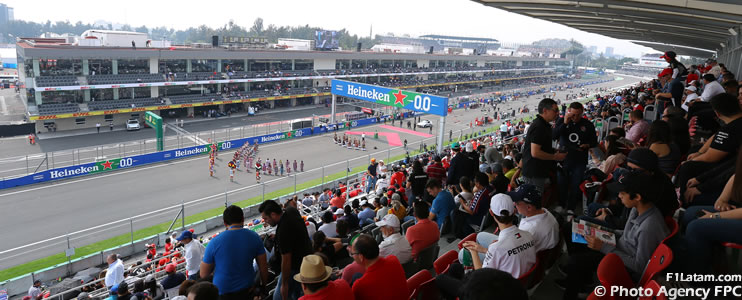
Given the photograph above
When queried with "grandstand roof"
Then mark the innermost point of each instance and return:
(463, 38)
(692, 23)
(680, 50)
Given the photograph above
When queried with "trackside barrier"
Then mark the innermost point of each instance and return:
(140, 160)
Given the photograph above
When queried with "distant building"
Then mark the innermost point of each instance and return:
(6, 14)
(446, 44)
(608, 51)
(592, 49)
(652, 60)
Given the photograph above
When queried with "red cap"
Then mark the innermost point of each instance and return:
(665, 72)
(162, 262)
(192, 230)
(170, 268)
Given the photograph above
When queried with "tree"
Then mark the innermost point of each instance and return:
(257, 27)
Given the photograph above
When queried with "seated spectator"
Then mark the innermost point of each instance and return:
(183, 289)
(382, 183)
(711, 88)
(644, 231)
(425, 232)
(722, 146)
(384, 272)
(324, 199)
(499, 254)
(34, 292)
(394, 243)
(350, 217)
(443, 202)
(471, 212)
(614, 154)
(708, 226)
(307, 201)
(172, 279)
(328, 225)
(398, 178)
(482, 284)
(398, 208)
(680, 134)
(314, 277)
(204, 291)
(154, 289)
(327, 246)
(537, 221)
(382, 208)
(508, 168)
(435, 169)
(660, 142)
(366, 216)
(123, 292)
(338, 201)
(639, 127)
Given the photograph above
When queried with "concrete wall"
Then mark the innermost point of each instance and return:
(90, 121)
(423, 63)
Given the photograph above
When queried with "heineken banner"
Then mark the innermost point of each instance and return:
(425, 103)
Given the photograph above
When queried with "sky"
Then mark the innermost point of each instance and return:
(413, 17)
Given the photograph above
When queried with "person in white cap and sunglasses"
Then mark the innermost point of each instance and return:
(394, 243)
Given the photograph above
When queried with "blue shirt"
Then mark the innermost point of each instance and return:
(366, 213)
(443, 204)
(232, 253)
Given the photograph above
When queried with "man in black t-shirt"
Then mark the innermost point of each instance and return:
(576, 136)
(292, 242)
(723, 146)
(538, 154)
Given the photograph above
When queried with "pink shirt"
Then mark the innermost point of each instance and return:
(637, 131)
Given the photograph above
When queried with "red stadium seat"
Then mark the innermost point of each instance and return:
(660, 260)
(673, 226)
(441, 264)
(414, 282)
(533, 277)
(471, 237)
(612, 272)
(655, 288)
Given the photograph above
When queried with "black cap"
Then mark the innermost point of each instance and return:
(644, 158)
(632, 182)
(123, 287)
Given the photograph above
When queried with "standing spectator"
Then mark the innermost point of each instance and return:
(417, 180)
(292, 243)
(229, 256)
(34, 292)
(425, 232)
(576, 136)
(315, 281)
(371, 175)
(97, 127)
(172, 279)
(461, 165)
(115, 272)
(443, 202)
(384, 278)
(639, 127)
(394, 243)
(436, 170)
(194, 252)
(538, 154)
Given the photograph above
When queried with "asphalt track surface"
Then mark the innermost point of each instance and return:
(48, 212)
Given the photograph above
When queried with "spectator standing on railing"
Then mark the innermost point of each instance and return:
(229, 256)
(194, 252)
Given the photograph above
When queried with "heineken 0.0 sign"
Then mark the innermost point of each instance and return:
(414, 101)
(155, 121)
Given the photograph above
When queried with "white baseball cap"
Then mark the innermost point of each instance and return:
(389, 220)
(339, 211)
(469, 147)
(691, 88)
(500, 202)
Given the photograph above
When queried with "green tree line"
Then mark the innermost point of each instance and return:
(200, 34)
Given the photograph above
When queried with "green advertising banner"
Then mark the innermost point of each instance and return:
(155, 121)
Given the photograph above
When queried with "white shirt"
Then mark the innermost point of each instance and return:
(398, 246)
(710, 90)
(311, 229)
(34, 292)
(503, 127)
(329, 229)
(115, 273)
(544, 229)
(466, 196)
(688, 99)
(194, 252)
(514, 252)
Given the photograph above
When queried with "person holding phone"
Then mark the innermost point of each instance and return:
(576, 136)
(539, 157)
